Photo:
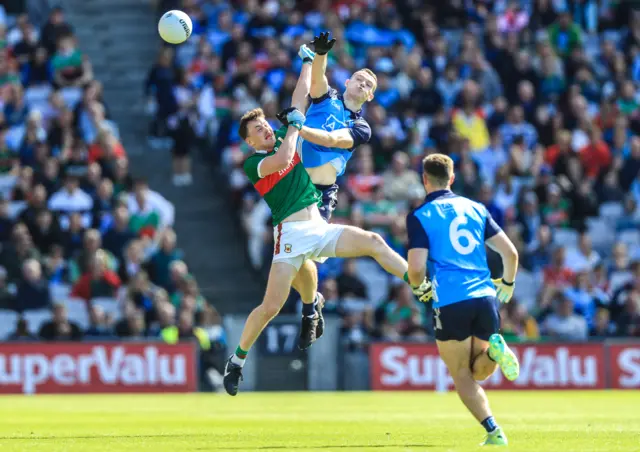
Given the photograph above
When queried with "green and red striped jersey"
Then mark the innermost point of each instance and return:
(287, 191)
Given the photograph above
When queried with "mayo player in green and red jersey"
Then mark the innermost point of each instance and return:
(301, 234)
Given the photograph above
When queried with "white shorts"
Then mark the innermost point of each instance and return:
(297, 241)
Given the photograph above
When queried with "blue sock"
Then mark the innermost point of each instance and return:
(309, 309)
(489, 424)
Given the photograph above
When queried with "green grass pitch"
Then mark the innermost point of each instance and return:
(416, 421)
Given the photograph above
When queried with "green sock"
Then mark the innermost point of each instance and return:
(406, 277)
(242, 354)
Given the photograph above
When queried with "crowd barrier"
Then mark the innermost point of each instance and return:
(97, 367)
(610, 364)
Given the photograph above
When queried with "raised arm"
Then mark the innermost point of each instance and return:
(319, 82)
(283, 158)
(300, 97)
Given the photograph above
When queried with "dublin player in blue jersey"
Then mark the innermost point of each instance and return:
(334, 126)
(447, 235)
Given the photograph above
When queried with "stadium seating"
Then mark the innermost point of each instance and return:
(60, 152)
(563, 88)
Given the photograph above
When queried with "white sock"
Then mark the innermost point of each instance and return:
(236, 360)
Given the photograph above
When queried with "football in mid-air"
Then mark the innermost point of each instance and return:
(175, 27)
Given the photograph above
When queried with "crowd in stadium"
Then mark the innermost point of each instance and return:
(536, 101)
(86, 251)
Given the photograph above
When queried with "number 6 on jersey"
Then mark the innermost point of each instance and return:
(456, 233)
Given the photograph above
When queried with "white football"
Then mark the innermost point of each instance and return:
(175, 27)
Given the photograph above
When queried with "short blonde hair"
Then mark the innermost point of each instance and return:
(252, 115)
(438, 169)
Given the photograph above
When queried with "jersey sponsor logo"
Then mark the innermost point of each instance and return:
(287, 247)
(265, 184)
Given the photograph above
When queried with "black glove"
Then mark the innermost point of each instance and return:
(321, 44)
(282, 116)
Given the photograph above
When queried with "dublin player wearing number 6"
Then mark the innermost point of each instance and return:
(447, 234)
(301, 235)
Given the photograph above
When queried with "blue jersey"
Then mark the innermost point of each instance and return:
(329, 113)
(454, 230)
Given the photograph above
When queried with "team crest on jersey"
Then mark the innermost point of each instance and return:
(287, 247)
(332, 123)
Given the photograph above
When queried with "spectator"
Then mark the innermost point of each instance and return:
(119, 234)
(97, 281)
(103, 206)
(349, 284)
(403, 318)
(160, 262)
(425, 98)
(132, 264)
(596, 156)
(565, 35)
(57, 268)
(469, 121)
(180, 129)
(132, 326)
(555, 211)
(45, 232)
(91, 244)
(378, 212)
(400, 182)
(517, 324)
(33, 291)
(6, 222)
(72, 238)
(583, 258)
(22, 333)
(71, 67)
(71, 199)
(166, 318)
(149, 211)
(602, 328)
(556, 273)
(563, 324)
(105, 147)
(54, 28)
(60, 328)
(98, 323)
(6, 297)
(186, 331)
(159, 90)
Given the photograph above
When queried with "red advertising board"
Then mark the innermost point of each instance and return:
(50, 368)
(624, 365)
(542, 366)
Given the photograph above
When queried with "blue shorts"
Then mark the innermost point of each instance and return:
(329, 200)
(477, 317)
